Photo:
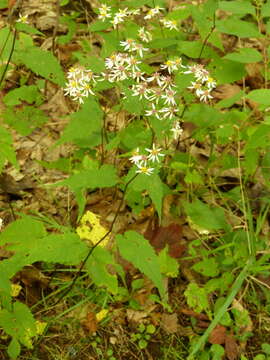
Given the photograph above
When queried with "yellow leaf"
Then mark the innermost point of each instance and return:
(90, 229)
(15, 290)
(40, 326)
(101, 314)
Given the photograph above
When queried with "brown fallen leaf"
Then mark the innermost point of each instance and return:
(170, 235)
(90, 323)
(169, 323)
(218, 335)
(231, 347)
(192, 313)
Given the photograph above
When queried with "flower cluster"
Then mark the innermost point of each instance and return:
(80, 83)
(144, 162)
(203, 84)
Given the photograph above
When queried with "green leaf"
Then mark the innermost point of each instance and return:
(97, 267)
(90, 179)
(7, 152)
(261, 96)
(205, 217)
(22, 241)
(237, 27)
(196, 298)
(155, 188)
(193, 49)
(25, 120)
(265, 9)
(28, 29)
(168, 265)
(19, 323)
(43, 63)
(88, 118)
(207, 267)
(30, 94)
(237, 7)
(226, 71)
(136, 249)
(14, 348)
(245, 55)
(3, 4)
(65, 248)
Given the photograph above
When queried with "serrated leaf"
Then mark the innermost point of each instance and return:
(29, 93)
(88, 118)
(96, 266)
(25, 120)
(205, 217)
(90, 179)
(14, 348)
(261, 96)
(19, 323)
(207, 267)
(43, 63)
(155, 188)
(245, 55)
(238, 7)
(136, 249)
(196, 298)
(239, 28)
(168, 265)
(59, 248)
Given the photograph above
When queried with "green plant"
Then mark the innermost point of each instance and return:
(143, 335)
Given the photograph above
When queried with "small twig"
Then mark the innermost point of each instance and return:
(55, 29)
(208, 35)
(9, 56)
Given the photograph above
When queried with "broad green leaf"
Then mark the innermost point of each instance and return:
(196, 298)
(245, 55)
(238, 7)
(168, 265)
(19, 323)
(14, 348)
(23, 234)
(237, 27)
(259, 138)
(136, 249)
(85, 125)
(7, 152)
(28, 29)
(205, 217)
(3, 4)
(154, 187)
(226, 71)
(90, 179)
(207, 267)
(97, 267)
(25, 119)
(228, 102)
(265, 9)
(193, 49)
(261, 96)
(43, 63)
(29, 93)
(65, 248)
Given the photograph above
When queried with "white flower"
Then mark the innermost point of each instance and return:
(23, 19)
(86, 89)
(140, 90)
(134, 12)
(137, 75)
(152, 12)
(169, 65)
(139, 49)
(169, 24)
(211, 83)
(197, 86)
(155, 94)
(165, 82)
(144, 35)
(136, 157)
(133, 63)
(128, 44)
(168, 112)
(153, 112)
(154, 153)
(177, 130)
(104, 12)
(204, 95)
(143, 169)
(169, 97)
(155, 77)
(1, 223)
(200, 73)
(73, 72)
